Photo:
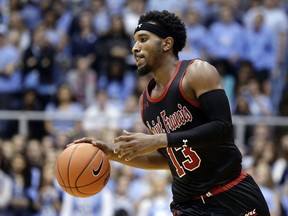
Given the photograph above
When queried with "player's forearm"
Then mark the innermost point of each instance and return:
(218, 129)
(149, 162)
(211, 133)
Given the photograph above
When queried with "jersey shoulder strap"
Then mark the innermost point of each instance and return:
(183, 66)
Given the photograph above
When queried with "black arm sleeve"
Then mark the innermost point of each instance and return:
(215, 106)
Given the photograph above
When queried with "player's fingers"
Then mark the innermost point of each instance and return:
(127, 133)
(70, 144)
(83, 140)
(123, 138)
(130, 156)
(122, 146)
(123, 152)
(102, 146)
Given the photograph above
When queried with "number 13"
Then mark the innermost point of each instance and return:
(192, 162)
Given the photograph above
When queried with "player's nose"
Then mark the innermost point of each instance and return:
(135, 48)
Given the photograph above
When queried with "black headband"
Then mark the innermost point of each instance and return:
(157, 29)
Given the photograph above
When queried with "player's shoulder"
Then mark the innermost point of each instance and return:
(201, 77)
(201, 69)
(199, 64)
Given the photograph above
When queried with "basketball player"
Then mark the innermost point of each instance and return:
(188, 116)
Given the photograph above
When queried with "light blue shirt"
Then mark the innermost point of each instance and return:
(261, 48)
(226, 40)
(9, 55)
(196, 37)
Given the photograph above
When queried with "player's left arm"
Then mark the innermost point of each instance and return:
(201, 83)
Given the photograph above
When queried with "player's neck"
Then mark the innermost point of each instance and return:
(164, 72)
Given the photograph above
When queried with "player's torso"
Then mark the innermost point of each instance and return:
(193, 169)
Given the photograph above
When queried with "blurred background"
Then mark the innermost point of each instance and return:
(66, 71)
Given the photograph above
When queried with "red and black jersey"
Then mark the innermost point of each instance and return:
(195, 170)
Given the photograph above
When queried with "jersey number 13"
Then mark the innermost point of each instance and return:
(191, 163)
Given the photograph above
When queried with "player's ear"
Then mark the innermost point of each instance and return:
(168, 43)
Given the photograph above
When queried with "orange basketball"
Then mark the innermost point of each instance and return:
(82, 170)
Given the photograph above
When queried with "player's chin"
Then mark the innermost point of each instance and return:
(143, 70)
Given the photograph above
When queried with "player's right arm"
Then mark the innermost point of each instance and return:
(153, 160)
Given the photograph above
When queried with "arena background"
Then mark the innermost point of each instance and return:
(66, 71)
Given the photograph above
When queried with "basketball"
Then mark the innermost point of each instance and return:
(82, 170)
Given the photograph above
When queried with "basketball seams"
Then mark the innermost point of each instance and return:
(104, 182)
(107, 170)
(89, 162)
(68, 170)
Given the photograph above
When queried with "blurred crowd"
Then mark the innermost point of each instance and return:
(74, 57)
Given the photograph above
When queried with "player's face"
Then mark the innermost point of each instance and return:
(147, 51)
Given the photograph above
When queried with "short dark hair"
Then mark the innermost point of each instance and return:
(172, 23)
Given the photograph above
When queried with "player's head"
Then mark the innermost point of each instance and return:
(159, 26)
(168, 24)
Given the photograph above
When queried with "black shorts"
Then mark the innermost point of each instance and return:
(243, 199)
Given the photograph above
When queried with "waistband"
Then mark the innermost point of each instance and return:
(221, 188)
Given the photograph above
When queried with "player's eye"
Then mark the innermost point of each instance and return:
(143, 39)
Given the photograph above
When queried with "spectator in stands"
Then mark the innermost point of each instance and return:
(53, 34)
(243, 75)
(38, 65)
(83, 81)
(115, 44)
(63, 15)
(6, 186)
(228, 79)
(101, 204)
(261, 49)
(261, 135)
(30, 101)
(64, 104)
(115, 6)
(130, 113)
(19, 142)
(259, 104)
(264, 179)
(154, 202)
(63, 20)
(104, 111)
(83, 42)
(101, 19)
(196, 46)
(123, 204)
(10, 77)
(117, 80)
(31, 14)
(141, 85)
(48, 202)
(280, 168)
(284, 198)
(20, 33)
(20, 203)
(131, 13)
(7, 153)
(225, 40)
(170, 5)
(276, 19)
(283, 105)
(35, 157)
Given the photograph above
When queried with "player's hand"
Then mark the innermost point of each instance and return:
(131, 145)
(103, 146)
